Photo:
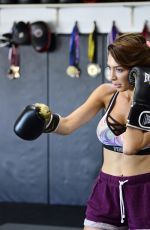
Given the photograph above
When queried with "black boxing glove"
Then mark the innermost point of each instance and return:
(139, 115)
(34, 120)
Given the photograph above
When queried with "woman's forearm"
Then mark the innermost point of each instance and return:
(134, 141)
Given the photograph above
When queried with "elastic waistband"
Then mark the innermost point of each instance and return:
(142, 178)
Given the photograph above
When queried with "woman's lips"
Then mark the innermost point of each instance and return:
(116, 85)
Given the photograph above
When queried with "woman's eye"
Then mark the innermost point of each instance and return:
(119, 70)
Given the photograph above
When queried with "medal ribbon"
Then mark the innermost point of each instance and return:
(145, 31)
(74, 54)
(13, 56)
(113, 34)
(92, 45)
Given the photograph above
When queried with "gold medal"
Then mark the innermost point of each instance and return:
(73, 71)
(93, 70)
(13, 72)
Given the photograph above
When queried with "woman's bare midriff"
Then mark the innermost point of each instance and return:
(119, 164)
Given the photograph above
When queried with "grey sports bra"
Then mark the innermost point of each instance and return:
(111, 133)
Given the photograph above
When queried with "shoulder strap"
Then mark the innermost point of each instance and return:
(112, 100)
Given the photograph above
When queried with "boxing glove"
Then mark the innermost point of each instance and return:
(139, 115)
(35, 120)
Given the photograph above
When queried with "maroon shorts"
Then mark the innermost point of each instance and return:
(120, 201)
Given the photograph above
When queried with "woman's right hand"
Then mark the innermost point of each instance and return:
(43, 111)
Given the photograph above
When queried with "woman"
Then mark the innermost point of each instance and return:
(120, 198)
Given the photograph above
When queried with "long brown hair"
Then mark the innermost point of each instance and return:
(130, 49)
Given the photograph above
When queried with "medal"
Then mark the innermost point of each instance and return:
(73, 71)
(13, 72)
(14, 69)
(93, 70)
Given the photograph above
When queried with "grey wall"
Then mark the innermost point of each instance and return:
(52, 169)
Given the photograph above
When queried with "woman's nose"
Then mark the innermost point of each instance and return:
(112, 75)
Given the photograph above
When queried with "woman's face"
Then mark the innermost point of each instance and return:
(118, 75)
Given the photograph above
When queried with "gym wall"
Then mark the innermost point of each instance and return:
(52, 169)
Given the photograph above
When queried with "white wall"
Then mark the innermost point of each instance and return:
(129, 17)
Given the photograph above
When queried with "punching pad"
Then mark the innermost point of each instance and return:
(21, 33)
(40, 36)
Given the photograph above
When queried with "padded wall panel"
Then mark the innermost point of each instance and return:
(75, 159)
(23, 164)
(53, 169)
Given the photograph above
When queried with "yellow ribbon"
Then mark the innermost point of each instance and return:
(91, 47)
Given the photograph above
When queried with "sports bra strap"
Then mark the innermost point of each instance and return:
(112, 101)
(116, 127)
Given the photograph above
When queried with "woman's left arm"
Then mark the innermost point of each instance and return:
(135, 140)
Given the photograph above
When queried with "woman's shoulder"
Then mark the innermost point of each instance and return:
(106, 91)
(108, 87)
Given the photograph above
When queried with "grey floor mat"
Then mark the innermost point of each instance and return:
(33, 227)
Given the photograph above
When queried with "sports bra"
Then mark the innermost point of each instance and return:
(111, 133)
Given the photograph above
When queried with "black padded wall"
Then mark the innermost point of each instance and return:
(53, 169)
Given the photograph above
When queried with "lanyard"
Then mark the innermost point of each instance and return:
(74, 53)
(113, 34)
(92, 45)
(93, 68)
(145, 31)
